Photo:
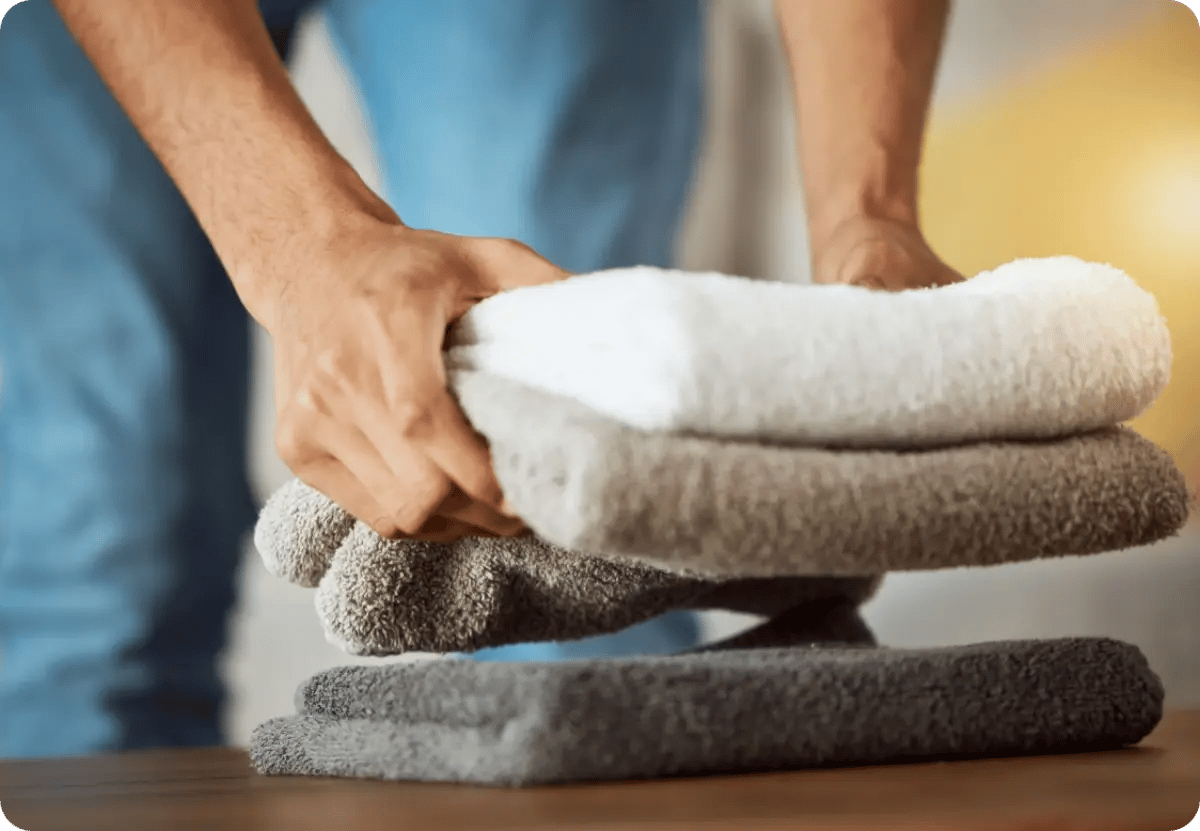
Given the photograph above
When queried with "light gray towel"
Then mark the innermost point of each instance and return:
(673, 522)
(586, 483)
(713, 712)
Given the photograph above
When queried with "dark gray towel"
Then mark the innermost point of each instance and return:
(711, 712)
(385, 598)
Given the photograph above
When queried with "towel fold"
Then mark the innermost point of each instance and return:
(996, 399)
(734, 508)
(643, 523)
(1037, 348)
(385, 597)
(712, 712)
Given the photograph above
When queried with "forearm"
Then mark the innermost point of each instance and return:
(203, 84)
(863, 74)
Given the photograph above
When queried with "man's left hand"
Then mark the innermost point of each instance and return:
(880, 254)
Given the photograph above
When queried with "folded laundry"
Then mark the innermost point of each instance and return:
(711, 712)
(630, 524)
(767, 449)
(749, 509)
(385, 597)
(1036, 348)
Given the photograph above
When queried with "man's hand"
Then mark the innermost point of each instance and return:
(863, 74)
(364, 412)
(879, 254)
(357, 303)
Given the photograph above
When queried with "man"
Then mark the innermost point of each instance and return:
(160, 177)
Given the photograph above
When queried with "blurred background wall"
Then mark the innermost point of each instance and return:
(1059, 127)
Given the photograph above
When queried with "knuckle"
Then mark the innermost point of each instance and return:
(314, 395)
(423, 499)
(513, 246)
(306, 400)
(485, 489)
(415, 419)
(497, 244)
(327, 363)
(410, 522)
(479, 483)
(386, 528)
(498, 252)
(290, 443)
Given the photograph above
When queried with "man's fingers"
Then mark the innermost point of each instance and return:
(406, 484)
(460, 506)
(388, 480)
(332, 478)
(447, 530)
(411, 440)
(454, 446)
(512, 264)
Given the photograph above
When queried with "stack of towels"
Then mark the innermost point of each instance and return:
(700, 441)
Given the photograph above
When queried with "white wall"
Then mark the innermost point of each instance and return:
(746, 217)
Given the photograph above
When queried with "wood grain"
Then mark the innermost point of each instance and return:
(1155, 787)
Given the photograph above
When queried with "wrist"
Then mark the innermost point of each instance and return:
(879, 253)
(856, 183)
(301, 245)
(846, 217)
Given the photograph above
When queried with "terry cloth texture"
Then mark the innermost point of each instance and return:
(747, 509)
(631, 524)
(713, 712)
(384, 597)
(1037, 348)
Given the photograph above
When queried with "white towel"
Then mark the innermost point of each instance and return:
(1037, 348)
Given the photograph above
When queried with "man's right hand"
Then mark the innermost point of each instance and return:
(357, 303)
(364, 414)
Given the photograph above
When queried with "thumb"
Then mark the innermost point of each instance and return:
(512, 264)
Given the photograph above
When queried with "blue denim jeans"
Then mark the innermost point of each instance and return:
(572, 125)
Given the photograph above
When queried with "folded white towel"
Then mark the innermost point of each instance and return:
(1036, 348)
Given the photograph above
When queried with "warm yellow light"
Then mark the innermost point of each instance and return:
(1165, 202)
(1100, 158)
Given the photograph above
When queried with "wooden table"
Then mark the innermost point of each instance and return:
(1155, 786)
